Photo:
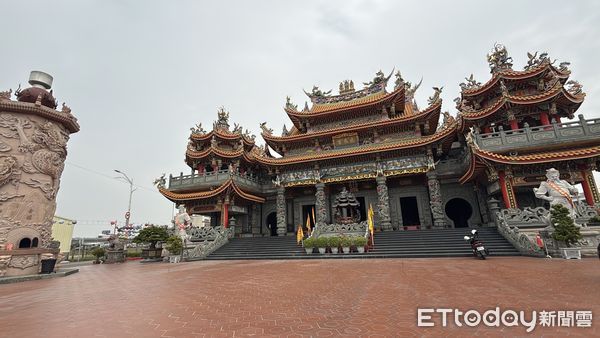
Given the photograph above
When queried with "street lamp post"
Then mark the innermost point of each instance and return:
(131, 190)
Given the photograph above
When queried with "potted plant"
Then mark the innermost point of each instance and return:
(334, 244)
(345, 243)
(309, 244)
(565, 231)
(360, 243)
(175, 247)
(151, 235)
(321, 244)
(98, 252)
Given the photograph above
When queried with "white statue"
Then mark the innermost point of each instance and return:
(182, 220)
(558, 191)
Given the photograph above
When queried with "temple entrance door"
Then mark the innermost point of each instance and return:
(272, 223)
(459, 211)
(410, 213)
(307, 211)
(362, 208)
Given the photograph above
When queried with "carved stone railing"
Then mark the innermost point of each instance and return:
(519, 240)
(208, 240)
(328, 230)
(211, 179)
(555, 133)
(513, 225)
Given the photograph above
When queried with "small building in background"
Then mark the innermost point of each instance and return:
(62, 231)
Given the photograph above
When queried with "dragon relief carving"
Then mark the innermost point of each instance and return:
(8, 170)
(16, 129)
(47, 145)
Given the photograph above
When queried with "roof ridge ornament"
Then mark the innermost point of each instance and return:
(399, 80)
(470, 84)
(498, 59)
(410, 90)
(290, 105)
(223, 119)
(535, 60)
(198, 129)
(436, 95)
(266, 131)
(346, 86)
(575, 88)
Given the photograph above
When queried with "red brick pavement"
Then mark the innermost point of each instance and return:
(316, 298)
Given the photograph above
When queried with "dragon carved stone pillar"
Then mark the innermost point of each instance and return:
(33, 149)
(281, 210)
(435, 201)
(383, 204)
(321, 209)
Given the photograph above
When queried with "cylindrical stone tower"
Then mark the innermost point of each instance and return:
(33, 148)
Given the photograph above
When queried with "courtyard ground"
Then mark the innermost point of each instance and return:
(316, 298)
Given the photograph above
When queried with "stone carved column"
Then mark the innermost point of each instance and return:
(281, 210)
(383, 204)
(435, 201)
(321, 209)
(33, 147)
(254, 218)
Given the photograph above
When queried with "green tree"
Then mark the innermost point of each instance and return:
(151, 235)
(565, 229)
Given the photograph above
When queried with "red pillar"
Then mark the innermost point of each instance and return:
(590, 190)
(544, 118)
(225, 213)
(508, 194)
(487, 130)
(514, 125)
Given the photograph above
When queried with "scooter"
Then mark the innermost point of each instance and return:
(477, 245)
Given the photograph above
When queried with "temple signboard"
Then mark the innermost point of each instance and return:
(346, 139)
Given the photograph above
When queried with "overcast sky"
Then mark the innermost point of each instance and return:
(139, 74)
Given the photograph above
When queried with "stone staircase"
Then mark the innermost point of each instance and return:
(392, 244)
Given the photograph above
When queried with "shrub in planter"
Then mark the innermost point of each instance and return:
(334, 244)
(360, 243)
(175, 245)
(308, 245)
(345, 243)
(98, 252)
(322, 243)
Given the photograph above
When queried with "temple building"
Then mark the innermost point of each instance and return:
(420, 168)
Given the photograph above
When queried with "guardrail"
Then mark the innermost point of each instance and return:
(556, 133)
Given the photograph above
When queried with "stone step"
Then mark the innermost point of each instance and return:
(391, 244)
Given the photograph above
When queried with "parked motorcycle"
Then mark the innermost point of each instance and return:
(477, 246)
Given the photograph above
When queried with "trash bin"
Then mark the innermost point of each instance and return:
(48, 265)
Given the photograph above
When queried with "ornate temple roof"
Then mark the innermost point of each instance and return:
(449, 130)
(552, 93)
(210, 143)
(228, 187)
(480, 157)
(472, 88)
(431, 113)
